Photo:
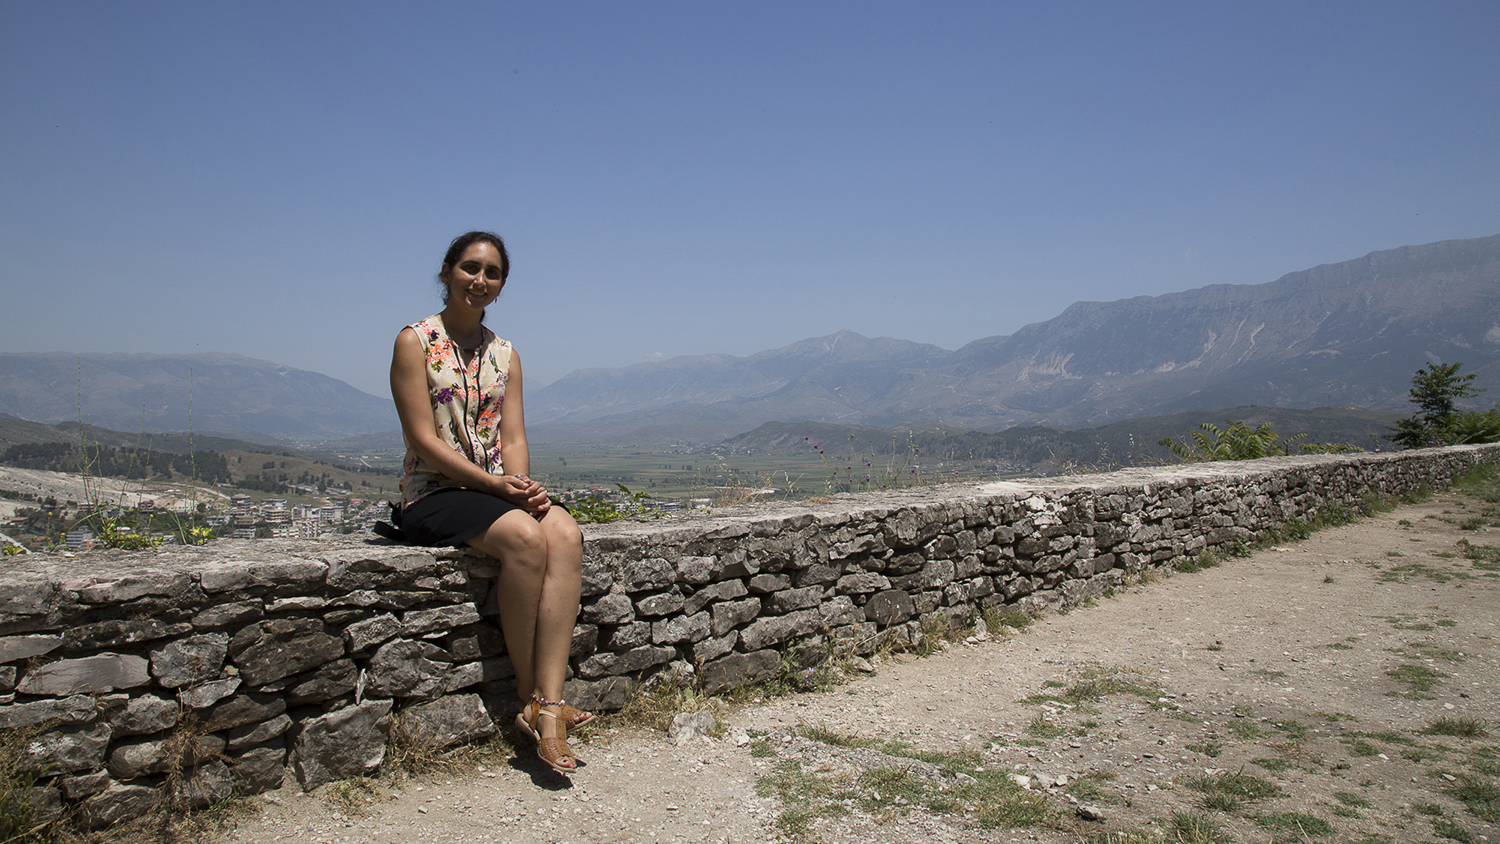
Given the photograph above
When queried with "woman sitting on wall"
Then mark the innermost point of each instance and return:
(458, 392)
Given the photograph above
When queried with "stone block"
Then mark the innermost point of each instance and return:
(376, 630)
(723, 590)
(228, 615)
(763, 584)
(738, 670)
(628, 636)
(861, 583)
(627, 662)
(714, 647)
(83, 786)
(596, 580)
(889, 608)
(663, 603)
(192, 660)
(207, 694)
(696, 570)
(614, 608)
(259, 770)
(86, 675)
(65, 751)
(242, 709)
(17, 648)
(792, 599)
(144, 715)
(269, 650)
(420, 622)
(347, 743)
(448, 721)
(478, 641)
(817, 574)
(251, 735)
(731, 614)
(203, 785)
(679, 630)
(325, 682)
(839, 611)
(141, 583)
(118, 802)
(584, 642)
(648, 575)
(607, 695)
(772, 630)
(403, 668)
(78, 709)
(937, 574)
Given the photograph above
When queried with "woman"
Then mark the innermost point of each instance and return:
(458, 392)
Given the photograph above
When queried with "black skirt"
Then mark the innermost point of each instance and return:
(450, 516)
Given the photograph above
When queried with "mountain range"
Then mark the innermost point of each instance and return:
(1348, 334)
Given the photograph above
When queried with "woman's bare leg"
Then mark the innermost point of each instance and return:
(557, 610)
(518, 542)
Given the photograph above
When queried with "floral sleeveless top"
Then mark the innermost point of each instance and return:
(466, 403)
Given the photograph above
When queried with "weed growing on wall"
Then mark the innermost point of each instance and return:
(862, 471)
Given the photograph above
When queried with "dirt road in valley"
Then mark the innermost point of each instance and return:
(1280, 696)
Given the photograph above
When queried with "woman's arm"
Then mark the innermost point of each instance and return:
(515, 456)
(414, 406)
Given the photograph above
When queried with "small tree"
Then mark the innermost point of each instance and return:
(1436, 389)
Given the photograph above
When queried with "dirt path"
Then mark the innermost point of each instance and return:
(1276, 697)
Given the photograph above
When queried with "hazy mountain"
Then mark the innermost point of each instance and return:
(229, 394)
(1347, 334)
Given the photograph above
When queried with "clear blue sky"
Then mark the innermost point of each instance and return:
(280, 179)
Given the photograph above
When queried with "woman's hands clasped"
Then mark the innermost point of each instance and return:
(525, 493)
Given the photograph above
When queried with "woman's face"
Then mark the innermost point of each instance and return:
(475, 280)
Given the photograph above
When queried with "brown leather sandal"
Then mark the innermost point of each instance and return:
(554, 751)
(575, 717)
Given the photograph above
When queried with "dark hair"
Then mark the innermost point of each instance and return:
(463, 242)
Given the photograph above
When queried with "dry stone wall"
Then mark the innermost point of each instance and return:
(193, 674)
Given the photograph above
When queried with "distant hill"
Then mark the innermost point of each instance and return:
(228, 394)
(1346, 334)
(1043, 448)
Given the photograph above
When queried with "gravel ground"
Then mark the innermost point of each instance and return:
(1303, 675)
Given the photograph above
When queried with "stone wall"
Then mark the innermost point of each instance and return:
(198, 673)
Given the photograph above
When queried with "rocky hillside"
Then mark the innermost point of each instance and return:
(1347, 334)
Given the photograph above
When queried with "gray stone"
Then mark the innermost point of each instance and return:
(242, 709)
(596, 580)
(342, 744)
(724, 590)
(192, 660)
(144, 715)
(731, 614)
(269, 650)
(119, 802)
(288, 577)
(23, 598)
(614, 608)
(17, 648)
(609, 694)
(463, 676)
(7, 679)
(403, 668)
(714, 647)
(628, 662)
(839, 611)
(78, 709)
(664, 603)
(228, 615)
(678, 630)
(937, 574)
(738, 670)
(697, 570)
(297, 602)
(142, 583)
(250, 735)
(816, 575)
(451, 720)
(45, 803)
(420, 622)
(133, 759)
(763, 584)
(363, 635)
(207, 694)
(477, 641)
(260, 770)
(323, 683)
(792, 599)
(644, 575)
(204, 785)
(628, 636)
(888, 608)
(116, 633)
(65, 752)
(83, 786)
(863, 582)
(772, 630)
(86, 675)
